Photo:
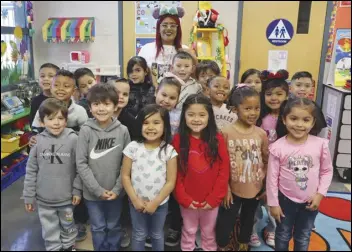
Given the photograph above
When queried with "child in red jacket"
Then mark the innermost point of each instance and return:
(203, 172)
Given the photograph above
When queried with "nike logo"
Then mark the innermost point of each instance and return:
(94, 155)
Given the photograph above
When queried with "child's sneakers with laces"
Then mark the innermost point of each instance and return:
(82, 232)
(269, 238)
(173, 238)
(254, 241)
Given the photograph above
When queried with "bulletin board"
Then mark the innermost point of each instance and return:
(340, 19)
(132, 41)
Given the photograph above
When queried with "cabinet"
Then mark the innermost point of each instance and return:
(337, 110)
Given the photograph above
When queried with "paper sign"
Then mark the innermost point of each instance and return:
(277, 60)
(332, 105)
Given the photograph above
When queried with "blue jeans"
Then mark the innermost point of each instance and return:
(105, 224)
(297, 221)
(146, 224)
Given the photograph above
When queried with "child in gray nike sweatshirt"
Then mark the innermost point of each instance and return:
(51, 177)
(99, 155)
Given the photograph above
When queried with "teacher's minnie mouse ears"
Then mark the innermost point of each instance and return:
(165, 10)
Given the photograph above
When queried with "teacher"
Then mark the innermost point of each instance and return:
(168, 39)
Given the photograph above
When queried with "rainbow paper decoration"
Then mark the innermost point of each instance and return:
(69, 30)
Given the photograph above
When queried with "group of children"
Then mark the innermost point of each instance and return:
(192, 148)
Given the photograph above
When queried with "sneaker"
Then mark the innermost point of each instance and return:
(270, 239)
(72, 248)
(242, 247)
(254, 241)
(314, 228)
(148, 242)
(173, 238)
(125, 241)
(82, 232)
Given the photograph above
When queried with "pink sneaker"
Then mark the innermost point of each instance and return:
(254, 242)
(270, 239)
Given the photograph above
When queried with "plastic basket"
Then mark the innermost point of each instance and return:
(15, 172)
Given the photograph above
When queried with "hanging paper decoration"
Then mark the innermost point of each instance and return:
(3, 48)
(29, 11)
(23, 47)
(15, 52)
(18, 32)
(60, 30)
(4, 13)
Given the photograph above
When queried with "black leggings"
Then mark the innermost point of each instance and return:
(80, 213)
(227, 218)
(175, 214)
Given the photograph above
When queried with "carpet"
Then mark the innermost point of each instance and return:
(333, 225)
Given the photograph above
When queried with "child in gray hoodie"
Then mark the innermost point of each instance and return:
(99, 154)
(51, 177)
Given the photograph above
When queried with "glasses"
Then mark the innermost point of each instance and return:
(171, 26)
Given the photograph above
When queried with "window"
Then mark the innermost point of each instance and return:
(16, 63)
(303, 17)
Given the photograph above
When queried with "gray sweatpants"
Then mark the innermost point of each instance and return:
(58, 227)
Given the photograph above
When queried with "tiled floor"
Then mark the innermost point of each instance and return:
(22, 231)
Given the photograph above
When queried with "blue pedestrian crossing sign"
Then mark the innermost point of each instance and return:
(279, 32)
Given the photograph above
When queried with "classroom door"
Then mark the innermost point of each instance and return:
(129, 27)
(304, 50)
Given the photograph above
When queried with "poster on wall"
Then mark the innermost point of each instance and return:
(340, 67)
(145, 23)
(140, 42)
(342, 56)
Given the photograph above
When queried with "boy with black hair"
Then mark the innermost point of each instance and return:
(85, 79)
(51, 177)
(301, 84)
(62, 88)
(205, 70)
(301, 87)
(99, 155)
(47, 73)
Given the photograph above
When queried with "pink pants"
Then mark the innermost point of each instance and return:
(206, 219)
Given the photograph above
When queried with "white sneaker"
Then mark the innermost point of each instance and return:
(254, 241)
(270, 239)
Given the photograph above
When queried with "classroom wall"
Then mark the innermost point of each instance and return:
(104, 50)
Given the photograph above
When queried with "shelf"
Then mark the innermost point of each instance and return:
(206, 58)
(16, 117)
(207, 30)
(4, 155)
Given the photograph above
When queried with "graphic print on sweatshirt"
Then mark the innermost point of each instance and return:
(103, 147)
(300, 167)
(54, 155)
(245, 160)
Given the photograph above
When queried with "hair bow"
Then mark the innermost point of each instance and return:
(281, 74)
(241, 85)
(166, 10)
(169, 74)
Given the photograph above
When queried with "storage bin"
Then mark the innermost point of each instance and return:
(9, 145)
(15, 171)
